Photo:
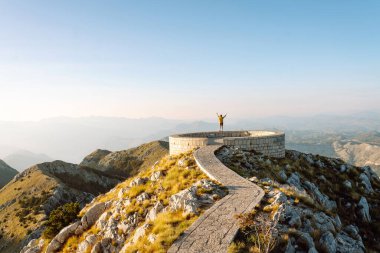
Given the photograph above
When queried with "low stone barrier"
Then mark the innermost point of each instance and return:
(271, 143)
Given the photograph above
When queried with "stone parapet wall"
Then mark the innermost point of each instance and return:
(267, 142)
(182, 144)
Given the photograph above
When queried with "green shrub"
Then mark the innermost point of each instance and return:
(60, 218)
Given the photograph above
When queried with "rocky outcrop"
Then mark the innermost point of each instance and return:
(364, 210)
(93, 159)
(321, 198)
(216, 228)
(138, 181)
(93, 214)
(323, 205)
(328, 242)
(118, 229)
(156, 209)
(77, 228)
(156, 175)
(366, 182)
(294, 180)
(185, 200)
(126, 163)
(345, 243)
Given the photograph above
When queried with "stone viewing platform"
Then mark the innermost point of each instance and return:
(271, 143)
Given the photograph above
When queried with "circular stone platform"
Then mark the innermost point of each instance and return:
(271, 143)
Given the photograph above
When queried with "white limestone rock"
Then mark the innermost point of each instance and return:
(61, 237)
(320, 197)
(156, 209)
(353, 231)
(152, 238)
(370, 173)
(327, 242)
(138, 181)
(122, 192)
(87, 244)
(294, 180)
(291, 216)
(143, 196)
(347, 184)
(92, 215)
(140, 232)
(156, 176)
(366, 183)
(364, 210)
(347, 244)
(324, 222)
(186, 200)
(34, 246)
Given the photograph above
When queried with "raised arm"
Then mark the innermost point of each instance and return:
(225, 116)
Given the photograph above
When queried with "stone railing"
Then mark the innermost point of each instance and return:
(271, 143)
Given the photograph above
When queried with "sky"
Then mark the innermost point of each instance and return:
(188, 59)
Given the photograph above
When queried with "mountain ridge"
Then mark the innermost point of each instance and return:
(28, 199)
(6, 173)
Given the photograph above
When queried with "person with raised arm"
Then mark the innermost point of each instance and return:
(221, 118)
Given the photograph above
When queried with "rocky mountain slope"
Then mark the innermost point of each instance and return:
(26, 201)
(6, 173)
(359, 153)
(312, 204)
(127, 162)
(145, 213)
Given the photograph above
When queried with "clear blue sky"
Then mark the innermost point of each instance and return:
(188, 59)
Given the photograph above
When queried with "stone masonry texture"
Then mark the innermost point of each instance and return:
(266, 142)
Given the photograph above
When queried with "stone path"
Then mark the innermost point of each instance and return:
(216, 228)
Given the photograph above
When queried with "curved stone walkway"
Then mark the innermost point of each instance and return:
(216, 228)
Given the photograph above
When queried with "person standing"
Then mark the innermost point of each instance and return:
(221, 118)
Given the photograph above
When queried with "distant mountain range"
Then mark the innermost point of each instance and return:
(23, 159)
(70, 139)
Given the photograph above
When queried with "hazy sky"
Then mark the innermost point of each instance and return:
(188, 59)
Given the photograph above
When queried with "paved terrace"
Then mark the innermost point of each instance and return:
(216, 228)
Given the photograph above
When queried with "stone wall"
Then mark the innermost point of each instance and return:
(267, 142)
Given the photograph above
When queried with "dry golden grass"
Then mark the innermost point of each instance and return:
(32, 185)
(168, 225)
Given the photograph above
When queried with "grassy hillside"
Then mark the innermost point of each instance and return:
(6, 173)
(145, 213)
(27, 200)
(18, 219)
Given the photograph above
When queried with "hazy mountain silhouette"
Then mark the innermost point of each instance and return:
(70, 139)
(23, 159)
